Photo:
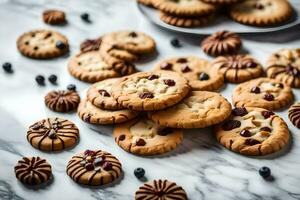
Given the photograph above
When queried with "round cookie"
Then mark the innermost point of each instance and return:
(94, 115)
(263, 93)
(261, 12)
(253, 131)
(100, 95)
(132, 41)
(54, 17)
(122, 54)
(294, 114)
(186, 8)
(146, 91)
(237, 68)
(199, 110)
(221, 43)
(53, 134)
(184, 21)
(160, 189)
(42, 44)
(221, 2)
(62, 100)
(197, 72)
(94, 168)
(33, 171)
(284, 66)
(90, 44)
(144, 137)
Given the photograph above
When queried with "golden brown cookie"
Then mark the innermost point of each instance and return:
(90, 44)
(100, 95)
(53, 134)
(284, 66)
(54, 17)
(221, 2)
(263, 93)
(62, 100)
(196, 71)
(253, 131)
(199, 109)
(160, 189)
(94, 168)
(146, 91)
(94, 115)
(294, 114)
(42, 44)
(33, 171)
(261, 12)
(237, 68)
(144, 137)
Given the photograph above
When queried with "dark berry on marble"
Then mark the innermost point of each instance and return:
(185, 68)
(203, 76)
(85, 17)
(52, 78)
(107, 166)
(146, 95)
(166, 66)
(245, 133)
(71, 87)
(175, 43)
(267, 114)
(7, 67)
(269, 97)
(140, 142)
(231, 124)
(122, 137)
(255, 90)
(267, 129)
(104, 93)
(60, 45)
(239, 111)
(40, 79)
(169, 82)
(89, 166)
(265, 172)
(182, 60)
(139, 172)
(251, 142)
(152, 77)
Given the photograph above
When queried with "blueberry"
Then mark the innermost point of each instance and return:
(40, 79)
(85, 17)
(265, 172)
(175, 42)
(7, 67)
(139, 172)
(60, 45)
(71, 87)
(52, 78)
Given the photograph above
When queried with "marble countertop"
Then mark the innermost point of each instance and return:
(200, 165)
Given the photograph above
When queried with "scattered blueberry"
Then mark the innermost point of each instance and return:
(139, 172)
(7, 67)
(175, 43)
(85, 17)
(265, 172)
(71, 87)
(52, 79)
(40, 79)
(60, 45)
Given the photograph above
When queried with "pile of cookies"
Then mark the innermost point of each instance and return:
(192, 13)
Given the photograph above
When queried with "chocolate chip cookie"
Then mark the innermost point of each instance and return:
(62, 100)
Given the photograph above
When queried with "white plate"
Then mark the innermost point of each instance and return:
(222, 23)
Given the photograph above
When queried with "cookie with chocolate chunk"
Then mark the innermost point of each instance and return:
(253, 131)
(62, 100)
(144, 137)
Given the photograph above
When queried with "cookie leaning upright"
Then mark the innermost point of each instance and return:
(42, 44)
(147, 91)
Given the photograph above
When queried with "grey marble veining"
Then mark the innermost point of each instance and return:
(204, 168)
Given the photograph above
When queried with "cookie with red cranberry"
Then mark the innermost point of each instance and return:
(261, 12)
(143, 137)
(284, 66)
(42, 44)
(237, 68)
(221, 2)
(54, 17)
(147, 91)
(294, 114)
(94, 115)
(94, 168)
(253, 131)
(196, 71)
(100, 95)
(199, 109)
(263, 93)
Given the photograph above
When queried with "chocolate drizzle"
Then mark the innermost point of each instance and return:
(294, 114)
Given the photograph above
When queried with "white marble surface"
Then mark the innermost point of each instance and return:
(203, 167)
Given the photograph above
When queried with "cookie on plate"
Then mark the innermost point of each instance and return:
(53, 134)
(199, 109)
(253, 131)
(94, 168)
(284, 66)
(197, 71)
(294, 114)
(160, 189)
(263, 93)
(54, 17)
(146, 91)
(33, 171)
(100, 95)
(62, 100)
(261, 12)
(144, 137)
(90, 44)
(42, 44)
(221, 43)
(94, 115)
(237, 68)
(221, 2)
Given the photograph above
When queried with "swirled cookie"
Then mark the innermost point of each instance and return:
(33, 171)
(54, 17)
(53, 134)
(62, 100)
(94, 168)
(294, 114)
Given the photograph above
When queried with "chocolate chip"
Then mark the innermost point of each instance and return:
(240, 111)
(89, 153)
(89, 166)
(245, 133)
(259, 6)
(231, 124)
(267, 129)
(267, 114)
(140, 142)
(185, 68)
(255, 90)
(107, 166)
(165, 131)
(166, 66)
(152, 77)
(269, 97)
(252, 142)
(169, 82)
(104, 93)
(146, 95)
(52, 134)
(251, 64)
(203, 76)
(279, 85)
(133, 34)
(60, 45)
(122, 137)
(181, 60)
